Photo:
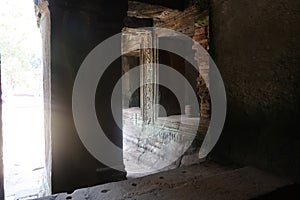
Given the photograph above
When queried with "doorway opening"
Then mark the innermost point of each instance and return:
(23, 107)
(162, 131)
(157, 130)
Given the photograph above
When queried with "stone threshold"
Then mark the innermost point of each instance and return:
(207, 180)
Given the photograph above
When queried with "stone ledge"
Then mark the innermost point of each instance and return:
(207, 180)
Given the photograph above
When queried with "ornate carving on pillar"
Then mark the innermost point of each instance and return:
(147, 79)
(134, 39)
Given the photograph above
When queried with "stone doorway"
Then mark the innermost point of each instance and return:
(154, 124)
(22, 102)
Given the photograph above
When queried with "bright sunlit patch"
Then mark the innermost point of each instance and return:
(23, 122)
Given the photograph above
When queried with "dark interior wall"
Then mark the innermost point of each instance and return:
(77, 27)
(167, 98)
(134, 95)
(256, 47)
(174, 4)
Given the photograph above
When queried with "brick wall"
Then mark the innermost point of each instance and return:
(201, 35)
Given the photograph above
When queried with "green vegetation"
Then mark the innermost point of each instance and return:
(20, 53)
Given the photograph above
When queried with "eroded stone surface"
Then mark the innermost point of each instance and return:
(165, 145)
(208, 181)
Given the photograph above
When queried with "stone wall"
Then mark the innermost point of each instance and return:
(194, 22)
(181, 21)
(76, 28)
(255, 45)
(201, 35)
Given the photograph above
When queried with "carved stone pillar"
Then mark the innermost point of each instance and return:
(142, 40)
(147, 78)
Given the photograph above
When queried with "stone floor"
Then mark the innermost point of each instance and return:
(195, 179)
(23, 147)
(207, 181)
(145, 151)
(159, 147)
